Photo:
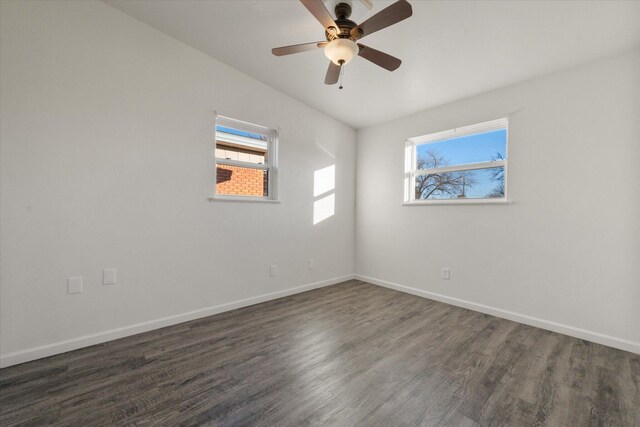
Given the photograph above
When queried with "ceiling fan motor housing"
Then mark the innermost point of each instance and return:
(345, 25)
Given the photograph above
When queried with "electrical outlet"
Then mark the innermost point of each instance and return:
(74, 285)
(109, 276)
(446, 273)
(311, 264)
(272, 270)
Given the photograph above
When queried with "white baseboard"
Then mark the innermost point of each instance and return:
(583, 334)
(100, 337)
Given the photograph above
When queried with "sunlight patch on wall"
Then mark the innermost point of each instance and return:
(324, 208)
(324, 184)
(324, 180)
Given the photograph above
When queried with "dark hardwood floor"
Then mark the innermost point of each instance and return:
(345, 355)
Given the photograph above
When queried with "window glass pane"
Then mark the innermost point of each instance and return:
(238, 132)
(234, 144)
(481, 147)
(474, 184)
(239, 153)
(240, 181)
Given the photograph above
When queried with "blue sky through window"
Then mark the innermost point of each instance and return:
(475, 148)
(233, 131)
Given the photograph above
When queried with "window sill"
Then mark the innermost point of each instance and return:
(216, 199)
(458, 202)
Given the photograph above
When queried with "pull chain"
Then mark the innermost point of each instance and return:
(341, 75)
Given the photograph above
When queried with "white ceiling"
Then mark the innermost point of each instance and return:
(450, 49)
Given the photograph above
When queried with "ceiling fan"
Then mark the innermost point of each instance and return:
(342, 35)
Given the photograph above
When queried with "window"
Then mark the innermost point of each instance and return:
(463, 165)
(245, 160)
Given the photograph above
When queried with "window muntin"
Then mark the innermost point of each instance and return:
(458, 166)
(245, 160)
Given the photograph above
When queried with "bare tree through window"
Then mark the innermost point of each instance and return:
(454, 184)
(466, 164)
(497, 175)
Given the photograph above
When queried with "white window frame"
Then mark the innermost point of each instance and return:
(271, 165)
(411, 170)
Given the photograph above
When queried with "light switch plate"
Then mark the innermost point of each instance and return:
(109, 276)
(74, 285)
(446, 273)
(273, 270)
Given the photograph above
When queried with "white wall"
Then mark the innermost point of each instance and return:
(106, 161)
(565, 254)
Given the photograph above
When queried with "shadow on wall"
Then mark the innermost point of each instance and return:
(324, 184)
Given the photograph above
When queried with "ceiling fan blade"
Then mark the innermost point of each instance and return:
(333, 74)
(393, 14)
(381, 59)
(296, 48)
(318, 9)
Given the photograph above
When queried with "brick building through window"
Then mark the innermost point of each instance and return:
(245, 160)
(238, 180)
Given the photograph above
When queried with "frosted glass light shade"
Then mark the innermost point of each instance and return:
(341, 50)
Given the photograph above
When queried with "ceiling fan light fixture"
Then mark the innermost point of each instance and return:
(341, 51)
